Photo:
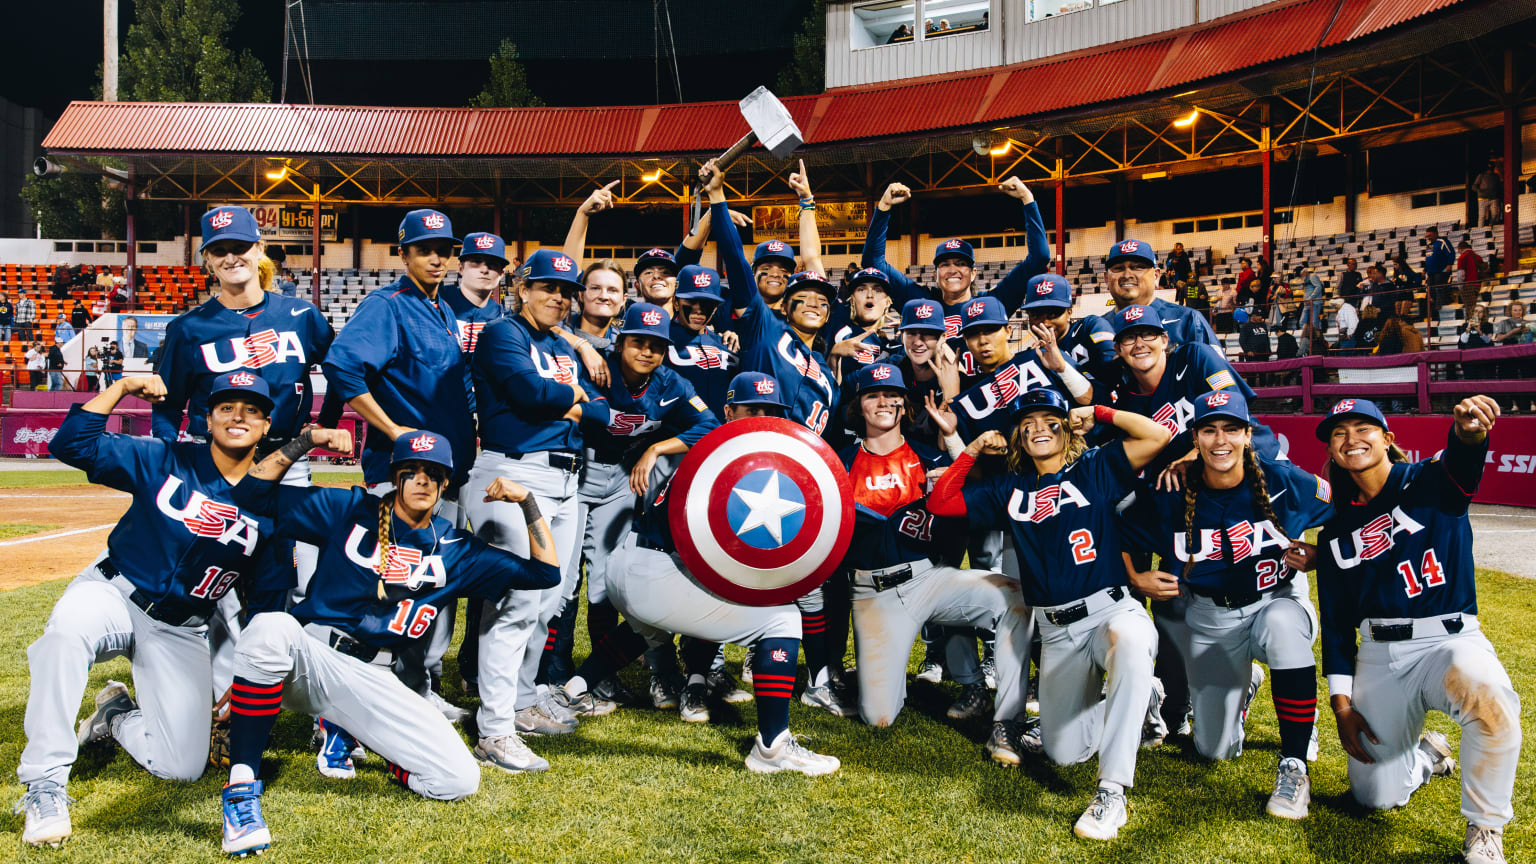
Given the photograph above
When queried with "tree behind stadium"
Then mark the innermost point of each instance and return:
(508, 84)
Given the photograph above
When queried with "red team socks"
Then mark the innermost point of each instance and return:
(773, 682)
(1295, 694)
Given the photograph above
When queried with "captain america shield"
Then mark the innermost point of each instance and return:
(761, 512)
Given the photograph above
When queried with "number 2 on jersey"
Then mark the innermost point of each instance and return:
(1433, 576)
(1082, 546)
(412, 626)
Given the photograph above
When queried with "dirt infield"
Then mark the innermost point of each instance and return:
(84, 514)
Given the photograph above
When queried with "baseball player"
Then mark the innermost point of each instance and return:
(652, 413)
(1395, 564)
(1232, 538)
(1057, 498)
(182, 544)
(532, 393)
(955, 261)
(773, 261)
(927, 364)
(247, 326)
(1131, 271)
(697, 353)
(1089, 341)
(897, 542)
(390, 568)
(658, 597)
(398, 362)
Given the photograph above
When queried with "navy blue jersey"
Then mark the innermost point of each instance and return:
(892, 524)
(183, 542)
(1185, 325)
(1407, 553)
(426, 571)
(523, 381)
(469, 320)
(1064, 524)
(1090, 345)
(668, 406)
(403, 349)
(1191, 370)
(702, 359)
(921, 430)
(1236, 549)
(768, 344)
(987, 403)
(278, 339)
(1010, 290)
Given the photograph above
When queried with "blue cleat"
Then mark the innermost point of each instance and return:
(335, 757)
(245, 832)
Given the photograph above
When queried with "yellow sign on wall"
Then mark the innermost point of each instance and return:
(835, 220)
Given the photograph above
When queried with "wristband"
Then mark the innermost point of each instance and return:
(295, 449)
(1104, 414)
(531, 512)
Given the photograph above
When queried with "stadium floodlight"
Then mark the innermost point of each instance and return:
(1184, 122)
(651, 177)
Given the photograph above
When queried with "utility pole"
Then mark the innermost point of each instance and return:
(109, 50)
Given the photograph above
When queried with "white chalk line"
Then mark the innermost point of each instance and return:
(41, 537)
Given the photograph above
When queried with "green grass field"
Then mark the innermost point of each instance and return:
(640, 785)
(9, 530)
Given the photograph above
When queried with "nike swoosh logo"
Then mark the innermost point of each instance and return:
(1179, 375)
(457, 539)
(1277, 495)
(665, 402)
(1170, 320)
(915, 465)
(295, 312)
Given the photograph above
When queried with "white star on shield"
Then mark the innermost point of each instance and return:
(766, 509)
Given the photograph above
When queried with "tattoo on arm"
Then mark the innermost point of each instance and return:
(531, 515)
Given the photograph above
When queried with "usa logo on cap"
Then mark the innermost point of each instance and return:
(1129, 247)
(776, 246)
(423, 444)
(975, 309)
(561, 263)
(1216, 400)
(951, 244)
(485, 241)
(765, 387)
(651, 319)
(657, 253)
(432, 220)
(702, 280)
(923, 311)
(1344, 405)
(242, 379)
(1043, 288)
(222, 219)
(1135, 312)
(880, 373)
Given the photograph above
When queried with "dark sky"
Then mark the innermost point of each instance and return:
(57, 61)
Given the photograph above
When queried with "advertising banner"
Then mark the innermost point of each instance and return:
(836, 220)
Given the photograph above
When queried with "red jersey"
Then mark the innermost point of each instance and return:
(886, 483)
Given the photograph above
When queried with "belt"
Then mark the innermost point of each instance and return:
(1064, 615)
(1238, 601)
(166, 613)
(353, 648)
(1401, 630)
(645, 543)
(882, 579)
(560, 459)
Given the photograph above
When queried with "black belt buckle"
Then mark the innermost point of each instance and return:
(1453, 625)
(1235, 601)
(570, 462)
(1074, 613)
(891, 580)
(1392, 632)
(352, 648)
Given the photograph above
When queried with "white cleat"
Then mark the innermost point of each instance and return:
(787, 754)
(47, 814)
(112, 702)
(1438, 748)
(1293, 791)
(1103, 818)
(1483, 845)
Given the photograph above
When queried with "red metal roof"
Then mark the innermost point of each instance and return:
(987, 96)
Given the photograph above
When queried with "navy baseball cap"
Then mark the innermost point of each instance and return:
(922, 314)
(419, 225)
(657, 257)
(954, 247)
(1227, 403)
(550, 265)
(422, 446)
(809, 281)
(698, 283)
(775, 250)
(647, 319)
(1351, 409)
(1131, 249)
(984, 311)
(1048, 291)
(481, 243)
(1041, 399)
(878, 376)
(1132, 317)
(242, 384)
(870, 274)
(753, 388)
(229, 223)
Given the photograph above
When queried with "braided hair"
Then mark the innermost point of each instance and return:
(386, 522)
(1258, 493)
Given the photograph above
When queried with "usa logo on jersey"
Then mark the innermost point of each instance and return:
(1376, 537)
(255, 351)
(557, 367)
(403, 565)
(628, 425)
(203, 517)
(469, 335)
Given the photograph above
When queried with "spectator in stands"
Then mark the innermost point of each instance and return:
(37, 364)
(1253, 338)
(1226, 303)
(943, 24)
(285, 284)
(1245, 275)
(92, 370)
(1375, 288)
(26, 316)
(1192, 294)
(1266, 271)
(928, 26)
(1286, 347)
(56, 364)
(1438, 259)
(63, 331)
(1490, 196)
(1314, 341)
(7, 316)
(1179, 267)
(104, 278)
(1283, 312)
(1396, 333)
(1475, 333)
(112, 363)
(1349, 281)
(1311, 311)
(60, 282)
(900, 34)
(79, 317)
(1348, 322)
(1469, 273)
(1515, 330)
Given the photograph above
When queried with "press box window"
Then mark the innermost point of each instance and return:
(886, 23)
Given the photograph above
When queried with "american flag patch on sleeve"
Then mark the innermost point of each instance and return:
(698, 404)
(1220, 380)
(1101, 336)
(1324, 490)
